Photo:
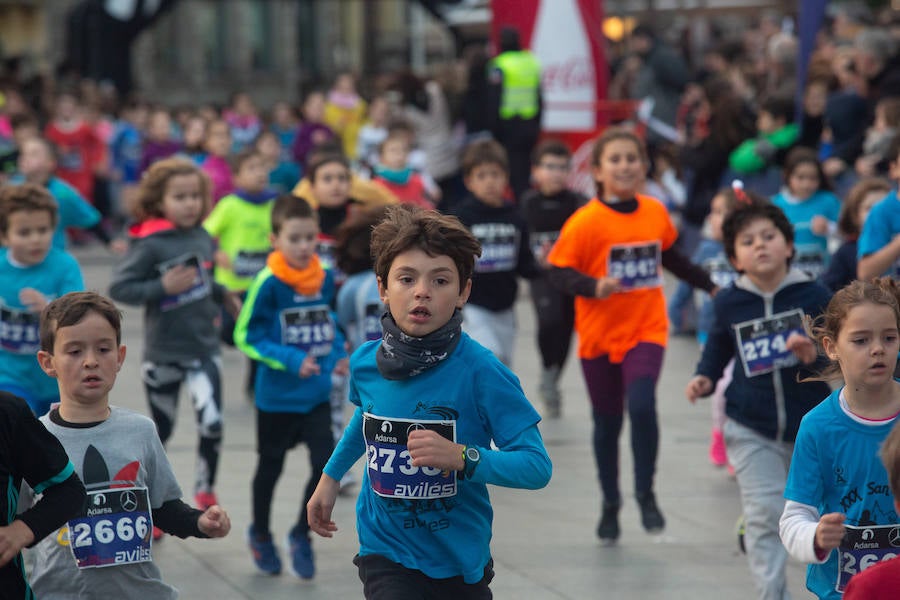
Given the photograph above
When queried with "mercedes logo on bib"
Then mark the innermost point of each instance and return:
(128, 501)
(894, 537)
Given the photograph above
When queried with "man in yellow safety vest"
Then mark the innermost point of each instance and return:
(514, 105)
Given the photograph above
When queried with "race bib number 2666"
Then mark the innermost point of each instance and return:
(115, 529)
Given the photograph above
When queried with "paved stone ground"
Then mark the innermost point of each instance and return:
(544, 543)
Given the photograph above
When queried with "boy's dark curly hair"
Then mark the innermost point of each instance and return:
(756, 207)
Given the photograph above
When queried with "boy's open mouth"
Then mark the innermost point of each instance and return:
(421, 311)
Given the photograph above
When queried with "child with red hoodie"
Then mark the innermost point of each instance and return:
(81, 152)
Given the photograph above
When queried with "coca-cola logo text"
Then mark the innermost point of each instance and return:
(575, 72)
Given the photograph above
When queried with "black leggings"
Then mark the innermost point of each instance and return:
(276, 433)
(162, 382)
(555, 314)
(612, 387)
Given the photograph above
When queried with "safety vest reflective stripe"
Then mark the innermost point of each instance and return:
(521, 81)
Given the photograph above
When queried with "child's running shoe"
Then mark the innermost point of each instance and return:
(302, 561)
(265, 554)
(204, 500)
(651, 517)
(717, 455)
(608, 528)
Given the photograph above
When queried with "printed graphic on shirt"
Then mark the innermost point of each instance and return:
(248, 264)
(116, 525)
(309, 328)
(372, 324)
(864, 547)
(19, 330)
(391, 472)
(326, 252)
(70, 159)
(499, 247)
(541, 242)
(720, 271)
(200, 287)
(635, 265)
(810, 260)
(115, 528)
(763, 342)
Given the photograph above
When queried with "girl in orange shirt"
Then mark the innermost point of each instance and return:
(610, 255)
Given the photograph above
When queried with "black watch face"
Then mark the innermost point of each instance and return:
(473, 454)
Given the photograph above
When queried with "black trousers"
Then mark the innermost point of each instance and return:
(384, 579)
(276, 433)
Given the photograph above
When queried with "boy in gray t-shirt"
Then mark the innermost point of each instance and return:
(105, 552)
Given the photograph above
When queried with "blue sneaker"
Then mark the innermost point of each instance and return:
(265, 555)
(302, 561)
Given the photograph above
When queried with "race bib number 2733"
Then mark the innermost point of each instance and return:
(390, 469)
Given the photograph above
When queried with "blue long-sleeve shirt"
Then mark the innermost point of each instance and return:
(473, 399)
(279, 327)
(56, 275)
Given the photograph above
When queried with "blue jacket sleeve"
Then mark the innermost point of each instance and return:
(876, 232)
(253, 329)
(522, 463)
(719, 348)
(345, 306)
(72, 280)
(74, 211)
(351, 446)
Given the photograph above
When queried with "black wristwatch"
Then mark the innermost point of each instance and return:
(471, 458)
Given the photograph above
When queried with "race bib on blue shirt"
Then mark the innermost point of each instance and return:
(200, 287)
(115, 529)
(390, 469)
(19, 330)
(636, 265)
(309, 328)
(763, 342)
(864, 547)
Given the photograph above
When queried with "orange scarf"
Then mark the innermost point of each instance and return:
(305, 282)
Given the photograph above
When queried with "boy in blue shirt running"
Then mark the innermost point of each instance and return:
(287, 325)
(429, 402)
(32, 273)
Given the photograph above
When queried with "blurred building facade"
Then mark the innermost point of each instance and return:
(203, 50)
